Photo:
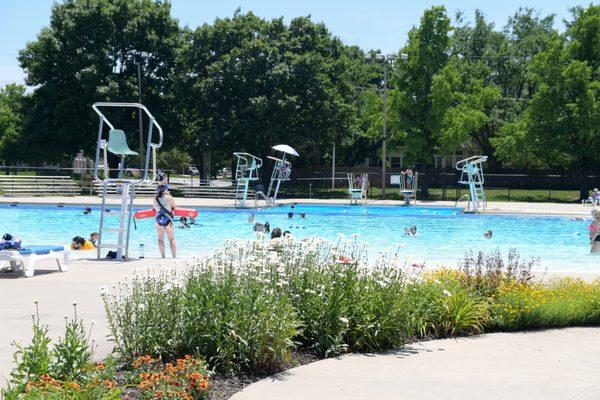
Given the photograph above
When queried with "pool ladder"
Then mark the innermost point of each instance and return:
(125, 215)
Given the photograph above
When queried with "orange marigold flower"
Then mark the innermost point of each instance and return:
(194, 376)
(109, 384)
(144, 384)
(46, 377)
(204, 384)
(74, 385)
(158, 394)
(187, 356)
(100, 366)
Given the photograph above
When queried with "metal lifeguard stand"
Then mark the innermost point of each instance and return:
(246, 171)
(281, 170)
(472, 175)
(117, 145)
(357, 188)
(408, 187)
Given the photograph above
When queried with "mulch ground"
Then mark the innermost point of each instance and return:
(222, 387)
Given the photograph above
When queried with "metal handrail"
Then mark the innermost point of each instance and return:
(463, 197)
(472, 160)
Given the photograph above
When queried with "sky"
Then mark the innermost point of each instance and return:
(374, 24)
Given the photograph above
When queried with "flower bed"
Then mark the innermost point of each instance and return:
(250, 308)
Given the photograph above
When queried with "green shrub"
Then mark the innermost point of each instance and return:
(558, 303)
(445, 309)
(232, 319)
(344, 308)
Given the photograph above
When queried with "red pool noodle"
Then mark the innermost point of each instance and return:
(179, 212)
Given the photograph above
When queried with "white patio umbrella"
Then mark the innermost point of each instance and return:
(285, 149)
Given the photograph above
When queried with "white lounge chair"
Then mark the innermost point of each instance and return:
(27, 258)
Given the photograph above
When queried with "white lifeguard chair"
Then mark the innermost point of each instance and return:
(246, 171)
(357, 188)
(282, 170)
(408, 187)
(117, 145)
(472, 175)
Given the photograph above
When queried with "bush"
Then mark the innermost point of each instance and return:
(343, 305)
(232, 319)
(246, 307)
(485, 273)
(561, 302)
(445, 308)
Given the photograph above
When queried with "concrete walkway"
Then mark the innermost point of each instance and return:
(546, 365)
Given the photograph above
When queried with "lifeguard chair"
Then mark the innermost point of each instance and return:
(246, 171)
(472, 175)
(116, 144)
(408, 187)
(282, 170)
(357, 188)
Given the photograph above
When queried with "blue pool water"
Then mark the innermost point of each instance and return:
(444, 236)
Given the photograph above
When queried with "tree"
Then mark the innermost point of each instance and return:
(174, 159)
(412, 104)
(487, 82)
(89, 54)
(11, 118)
(561, 124)
(251, 84)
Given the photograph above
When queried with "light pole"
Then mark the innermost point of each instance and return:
(142, 56)
(387, 60)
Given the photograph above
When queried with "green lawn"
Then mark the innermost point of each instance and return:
(555, 196)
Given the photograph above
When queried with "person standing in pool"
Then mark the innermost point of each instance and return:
(595, 232)
(163, 223)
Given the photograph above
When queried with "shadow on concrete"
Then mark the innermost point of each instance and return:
(19, 274)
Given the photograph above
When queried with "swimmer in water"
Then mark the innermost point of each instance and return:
(94, 236)
(251, 218)
(258, 227)
(276, 233)
(488, 234)
(87, 210)
(290, 215)
(410, 230)
(183, 224)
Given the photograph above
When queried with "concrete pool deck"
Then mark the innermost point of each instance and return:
(498, 207)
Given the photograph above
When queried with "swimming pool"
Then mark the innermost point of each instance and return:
(444, 236)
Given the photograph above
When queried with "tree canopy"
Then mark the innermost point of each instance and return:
(258, 83)
(523, 94)
(88, 53)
